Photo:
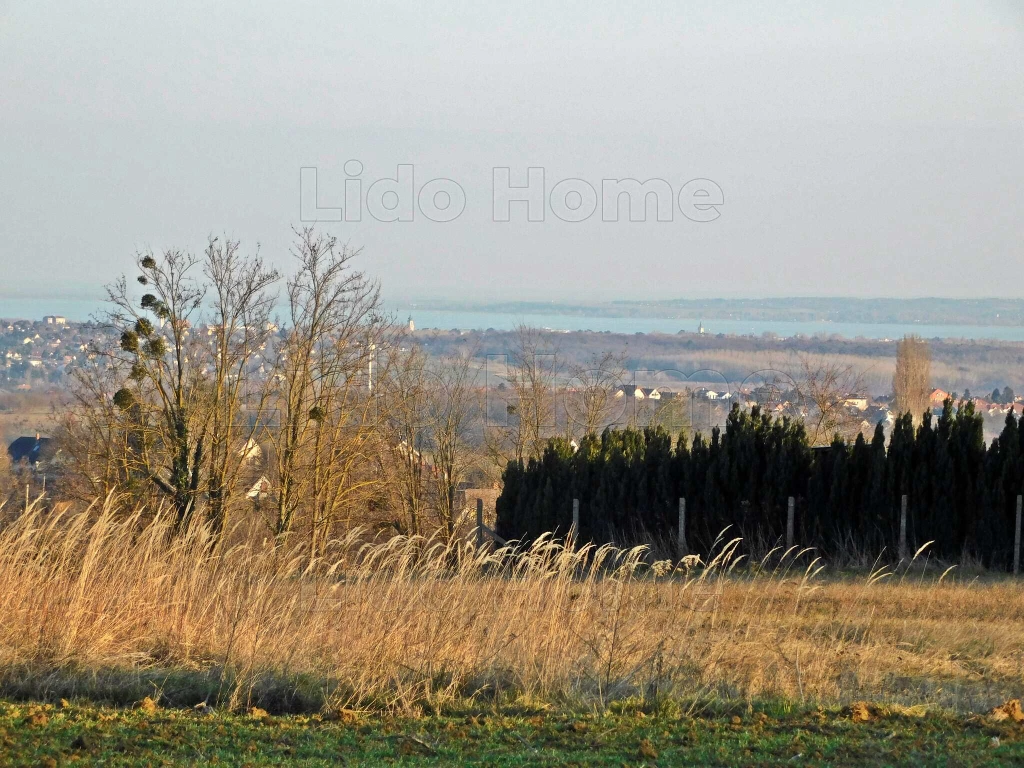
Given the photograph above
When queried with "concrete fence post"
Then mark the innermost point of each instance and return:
(1016, 537)
(479, 523)
(683, 548)
(790, 522)
(575, 531)
(903, 527)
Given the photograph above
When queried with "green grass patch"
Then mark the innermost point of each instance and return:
(73, 734)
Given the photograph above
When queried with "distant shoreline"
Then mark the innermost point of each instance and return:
(923, 311)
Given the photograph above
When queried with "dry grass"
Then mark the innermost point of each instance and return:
(99, 602)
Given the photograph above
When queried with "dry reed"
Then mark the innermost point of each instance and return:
(105, 604)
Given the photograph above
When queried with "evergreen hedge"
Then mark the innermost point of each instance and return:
(962, 493)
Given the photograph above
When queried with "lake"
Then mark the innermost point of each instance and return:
(81, 309)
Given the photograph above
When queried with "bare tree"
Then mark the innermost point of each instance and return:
(675, 413)
(196, 392)
(430, 439)
(346, 419)
(96, 440)
(825, 389)
(324, 376)
(186, 405)
(402, 463)
(165, 400)
(590, 401)
(239, 332)
(531, 373)
(455, 409)
(911, 383)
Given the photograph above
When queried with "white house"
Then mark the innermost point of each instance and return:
(260, 489)
(630, 390)
(251, 451)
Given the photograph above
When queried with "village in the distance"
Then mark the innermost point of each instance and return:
(688, 380)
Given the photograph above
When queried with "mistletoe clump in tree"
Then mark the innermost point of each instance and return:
(181, 393)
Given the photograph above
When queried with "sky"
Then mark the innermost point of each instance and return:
(852, 149)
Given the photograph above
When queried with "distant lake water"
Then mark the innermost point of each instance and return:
(80, 310)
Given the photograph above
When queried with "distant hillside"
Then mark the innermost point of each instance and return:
(928, 311)
(847, 310)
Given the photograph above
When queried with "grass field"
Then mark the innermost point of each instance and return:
(557, 649)
(33, 735)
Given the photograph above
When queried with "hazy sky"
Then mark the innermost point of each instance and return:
(862, 148)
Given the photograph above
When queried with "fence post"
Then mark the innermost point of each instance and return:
(479, 523)
(903, 527)
(790, 519)
(683, 549)
(1016, 537)
(575, 531)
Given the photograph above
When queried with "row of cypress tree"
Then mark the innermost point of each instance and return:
(961, 492)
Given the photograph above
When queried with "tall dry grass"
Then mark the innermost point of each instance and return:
(105, 604)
